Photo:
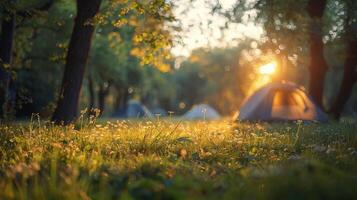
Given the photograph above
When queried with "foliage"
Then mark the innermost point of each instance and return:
(221, 77)
(151, 37)
(287, 26)
(41, 43)
(40, 46)
(158, 89)
(172, 159)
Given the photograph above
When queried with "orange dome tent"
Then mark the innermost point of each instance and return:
(280, 101)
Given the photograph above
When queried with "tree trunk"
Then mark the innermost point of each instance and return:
(7, 85)
(91, 92)
(102, 95)
(349, 78)
(6, 45)
(349, 73)
(77, 55)
(125, 98)
(118, 99)
(318, 66)
(101, 99)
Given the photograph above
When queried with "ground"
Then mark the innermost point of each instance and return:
(172, 159)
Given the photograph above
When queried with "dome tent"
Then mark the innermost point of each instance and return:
(280, 101)
(202, 111)
(134, 109)
(159, 111)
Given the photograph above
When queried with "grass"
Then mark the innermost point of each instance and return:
(167, 159)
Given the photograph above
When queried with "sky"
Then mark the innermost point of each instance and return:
(201, 28)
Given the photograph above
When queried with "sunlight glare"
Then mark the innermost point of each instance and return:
(268, 69)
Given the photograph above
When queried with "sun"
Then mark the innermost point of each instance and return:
(268, 69)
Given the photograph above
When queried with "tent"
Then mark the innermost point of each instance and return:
(159, 111)
(134, 109)
(280, 101)
(202, 111)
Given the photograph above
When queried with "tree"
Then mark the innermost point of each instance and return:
(318, 66)
(108, 60)
(350, 65)
(157, 88)
(289, 23)
(6, 46)
(78, 50)
(37, 63)
(10, 10)
(67, 105)
(112, 68)
(220, 77)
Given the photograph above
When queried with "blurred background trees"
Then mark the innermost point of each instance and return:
(314, 35)
(131, 57)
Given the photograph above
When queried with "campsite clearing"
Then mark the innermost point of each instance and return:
(165, 159)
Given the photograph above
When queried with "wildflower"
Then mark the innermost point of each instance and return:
(213, 173)
(183, 153)
(84, 111)
(56, 145)
(170, 113)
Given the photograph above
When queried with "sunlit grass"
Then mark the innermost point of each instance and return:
(175, 159)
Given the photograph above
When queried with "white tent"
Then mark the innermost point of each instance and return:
(202, 111)
(280, 101)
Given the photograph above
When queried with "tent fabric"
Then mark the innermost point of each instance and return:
(280, 101)
(159, 111)
(134, 109)
(202, 111)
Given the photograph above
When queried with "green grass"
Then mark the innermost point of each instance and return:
(167, 159)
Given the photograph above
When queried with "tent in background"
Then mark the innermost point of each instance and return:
(159, 111)
(202, 111)
(134, 109)
(280, 101)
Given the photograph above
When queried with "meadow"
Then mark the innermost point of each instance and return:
(173, 159)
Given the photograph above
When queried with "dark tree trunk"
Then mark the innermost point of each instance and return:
(7, 85)
(118, 99)
(6, 45)
(79, 46)
(102, 95)
(101, 99)
(122, 98)
(349, 74)
(91, 92)
(349, 78)
(318, 66)
(125, 98)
